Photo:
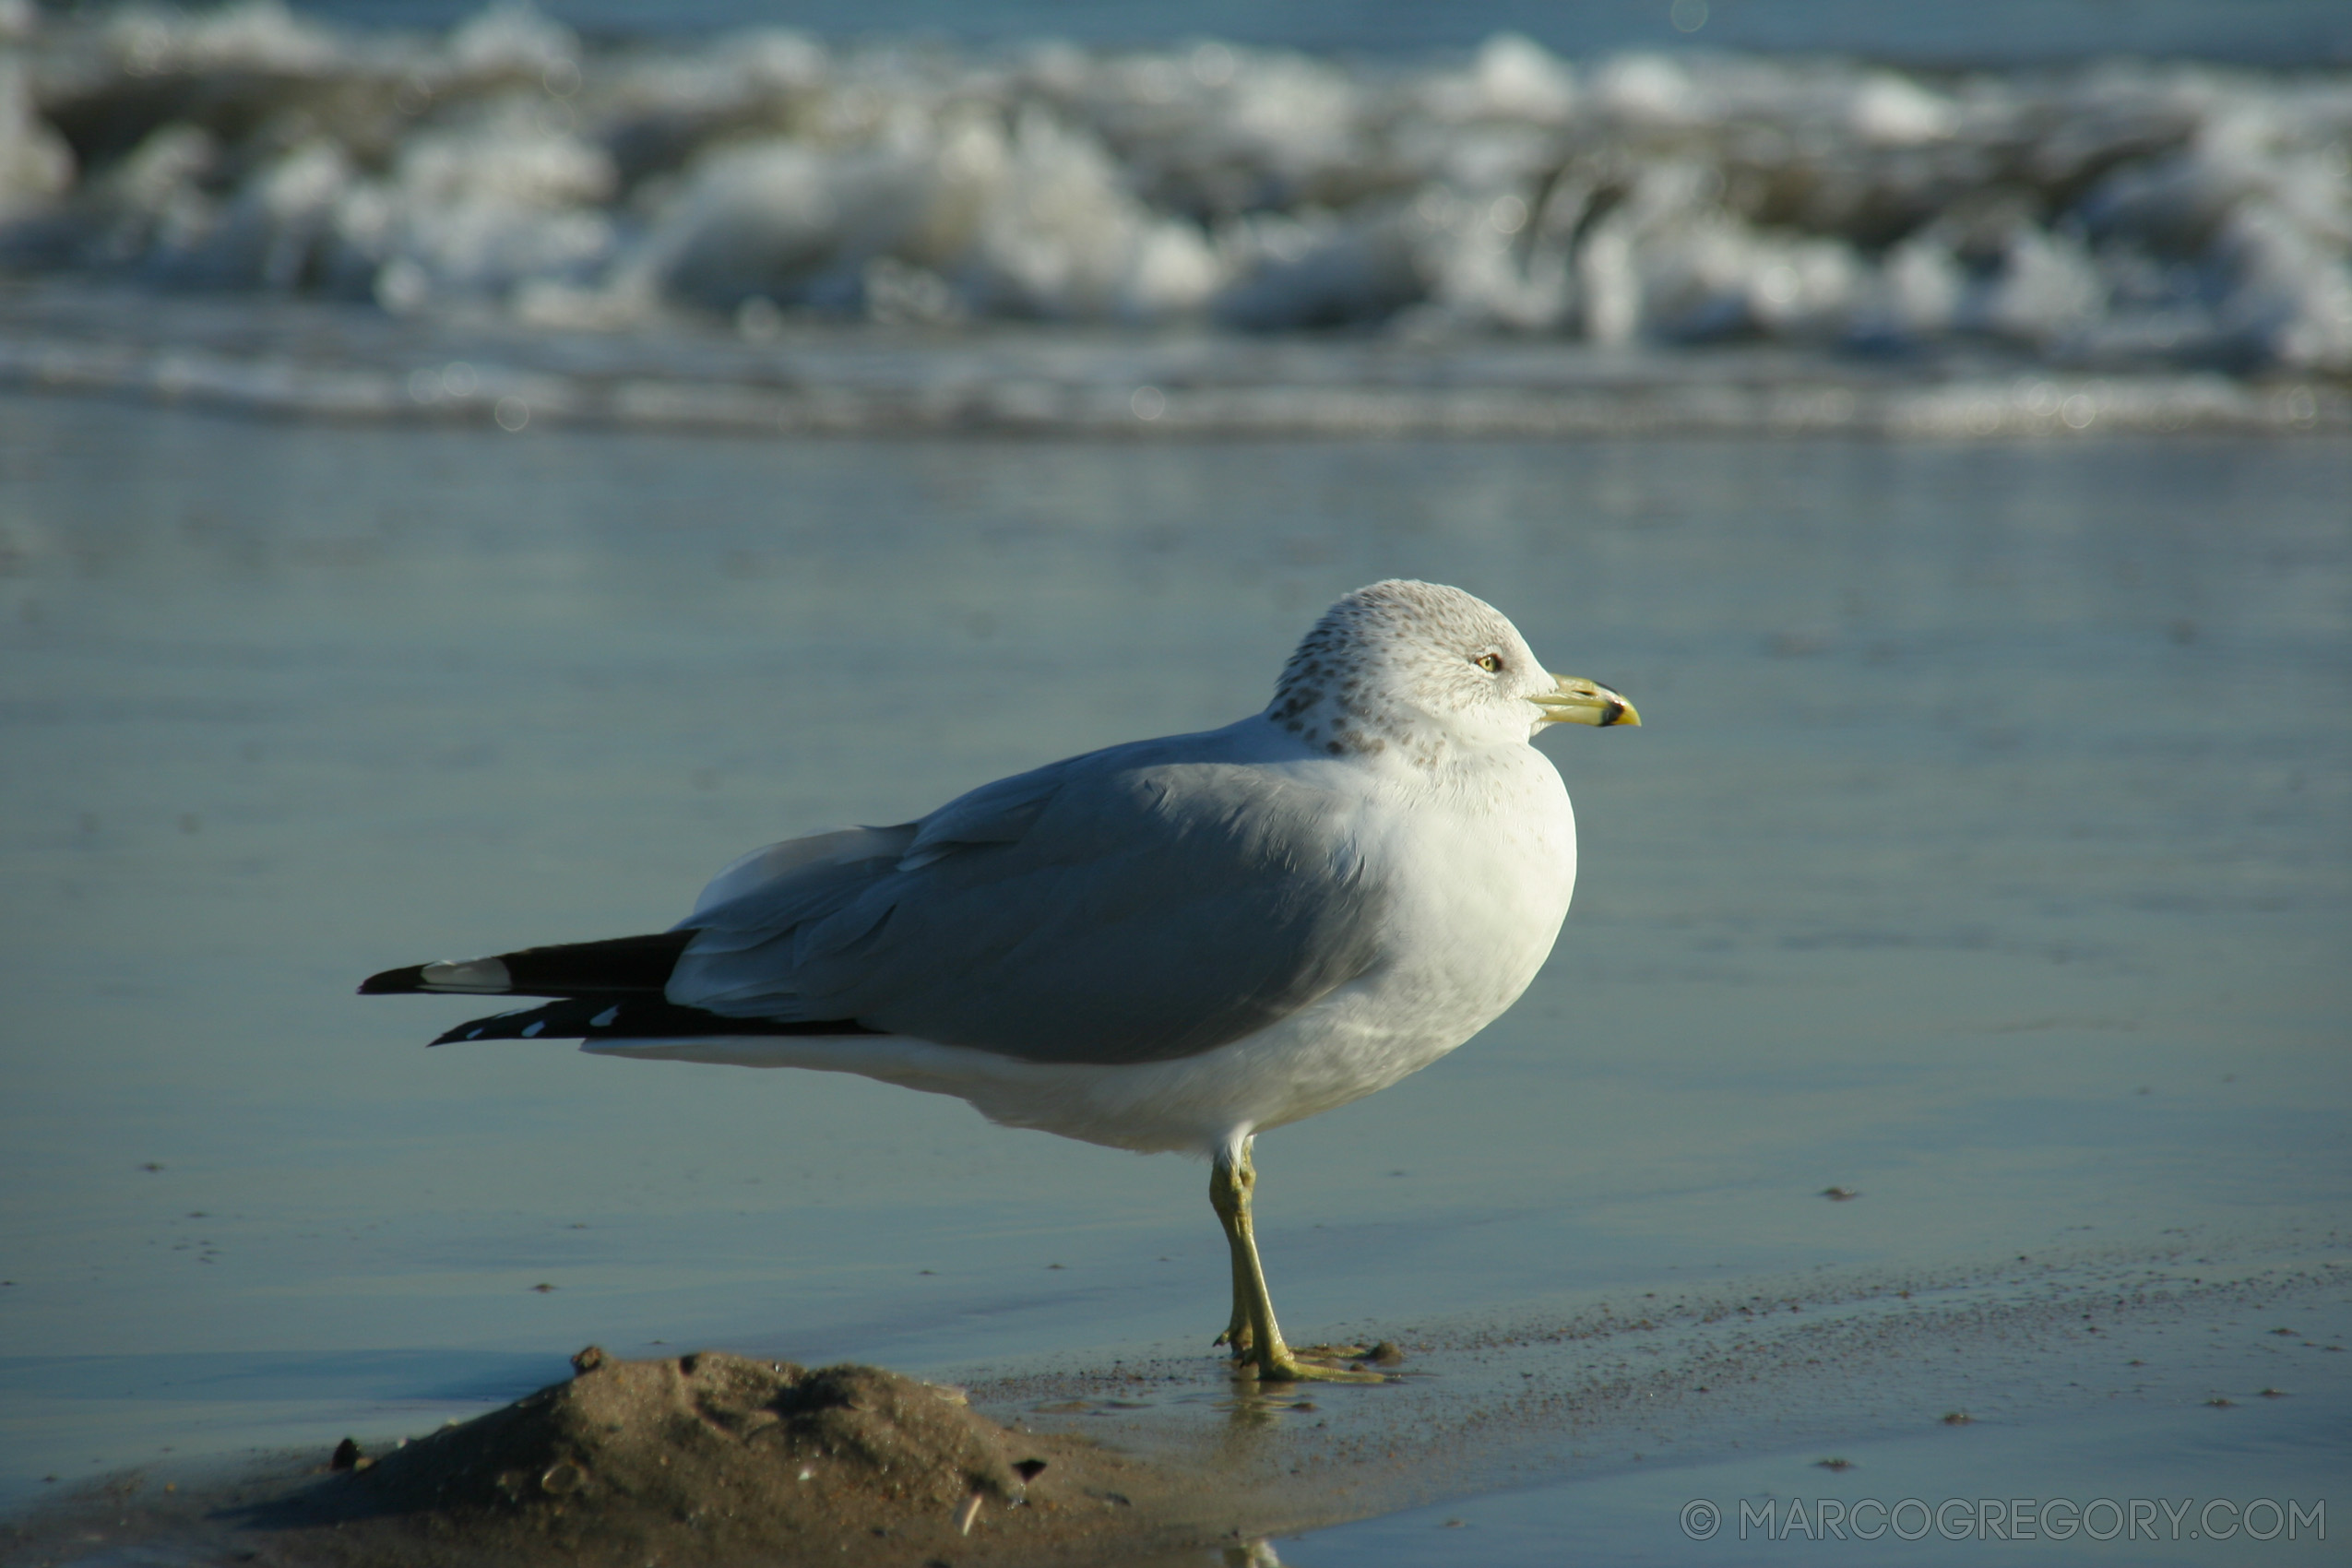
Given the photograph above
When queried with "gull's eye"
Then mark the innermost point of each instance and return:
(1490, 662)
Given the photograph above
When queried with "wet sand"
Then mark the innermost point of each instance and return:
(712, 1457)
(1982, 857)
(706, 1457)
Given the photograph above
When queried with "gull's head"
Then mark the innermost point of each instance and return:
(1424, 668)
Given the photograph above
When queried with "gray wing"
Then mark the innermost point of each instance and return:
(1134, 905)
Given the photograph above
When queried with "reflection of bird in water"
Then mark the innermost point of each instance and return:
(1170, 945)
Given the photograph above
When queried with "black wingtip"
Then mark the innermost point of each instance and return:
(617, 1017)
(392, 982)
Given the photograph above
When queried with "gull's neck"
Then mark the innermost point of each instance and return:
(1330, 711)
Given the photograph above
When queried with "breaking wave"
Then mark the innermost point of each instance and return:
(2113, 219)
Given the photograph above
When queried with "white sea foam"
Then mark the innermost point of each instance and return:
(2111, 218)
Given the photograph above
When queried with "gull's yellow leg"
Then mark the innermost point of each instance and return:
(1228, 1194)
(1256, 1338)
(1238, 1334)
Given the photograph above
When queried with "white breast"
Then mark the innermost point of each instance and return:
(1478, 884)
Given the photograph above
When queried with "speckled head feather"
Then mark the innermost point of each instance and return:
(1396, 666)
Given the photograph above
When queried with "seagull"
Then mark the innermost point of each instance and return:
(1172, 944)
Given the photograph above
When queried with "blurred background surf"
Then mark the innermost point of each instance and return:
(2148, 195)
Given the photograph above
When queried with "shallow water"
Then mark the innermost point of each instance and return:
(1982, 853)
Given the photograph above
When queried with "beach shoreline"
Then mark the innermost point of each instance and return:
(1805, 1368)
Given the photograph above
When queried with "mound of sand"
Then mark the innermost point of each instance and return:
(716, 1457)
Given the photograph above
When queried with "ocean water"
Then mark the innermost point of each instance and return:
(2293, 33)
(2005, 217)
(1981, 855)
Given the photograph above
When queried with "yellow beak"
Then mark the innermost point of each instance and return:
(1579, 701)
